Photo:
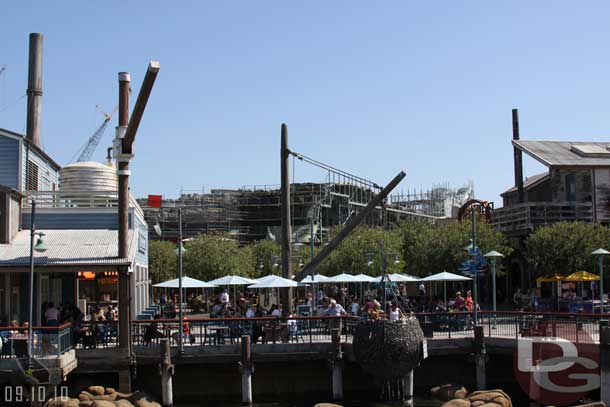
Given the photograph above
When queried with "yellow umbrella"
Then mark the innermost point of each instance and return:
(552, 279)
(582, 276)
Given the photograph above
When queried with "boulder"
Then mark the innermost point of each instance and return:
(448, 392)
(85, 396)
(123, 396)
(61, 402)
(85, 403)
(146, 403)
(123, 403)
(110, 390)
(102, 403)
(457, 403)
(96, 390)
(490, 398)
(107, 397)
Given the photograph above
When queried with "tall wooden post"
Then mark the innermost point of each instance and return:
(604, 363)
(480, 355)
(167, 370)
(286, 293)
(123, 175)
(34, 90)
(246, 368)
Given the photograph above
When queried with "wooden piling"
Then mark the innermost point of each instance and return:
(480, 356)
(337, 364)
(167, 371)
(604, 363)
(407, 391)
(246, 371)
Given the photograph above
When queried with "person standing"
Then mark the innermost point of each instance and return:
(51, 315)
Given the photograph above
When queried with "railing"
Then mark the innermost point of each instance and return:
(215, 332)
(527, 216)
(579, 327)
(47, 341)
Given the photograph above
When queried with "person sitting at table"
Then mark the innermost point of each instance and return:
(15, 327)
(469, 303)
(459, 303)
(275, 311)
(153, 331)
(395, 313)
(251, 312)
(51, 315)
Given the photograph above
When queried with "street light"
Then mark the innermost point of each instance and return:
(179, 251)
(384, 265)
(38, 247)
(600, 253)
(493, 256)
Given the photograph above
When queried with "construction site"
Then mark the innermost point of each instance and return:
(252, 213)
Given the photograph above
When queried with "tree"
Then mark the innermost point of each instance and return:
(162, 261)
(266, 253)
(214, 255)
(564, 247)
(363, 244)
(433, 248)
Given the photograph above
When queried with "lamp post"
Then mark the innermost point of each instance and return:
(384, 268)
(493, 256)
(39, 247)
(600, 253)
(179, 251)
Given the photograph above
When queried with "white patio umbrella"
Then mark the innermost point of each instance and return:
(318, 278)
(234, 281)
(398, 278)
(187, 282)
(341, 278)
(274, 282)
(363, 278)
(444, 277)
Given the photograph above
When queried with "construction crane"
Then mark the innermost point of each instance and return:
(86, 151)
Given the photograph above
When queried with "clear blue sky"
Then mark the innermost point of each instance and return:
(370, 87)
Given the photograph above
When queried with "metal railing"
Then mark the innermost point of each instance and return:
(47, 341)
(577, 327)
(216, 332)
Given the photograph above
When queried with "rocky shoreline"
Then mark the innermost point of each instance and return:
(98, 396)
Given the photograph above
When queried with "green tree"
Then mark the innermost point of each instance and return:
(432, 248)
(213, 255)
(266, 254)
(162, 261)
(352, 256)
(564, 247)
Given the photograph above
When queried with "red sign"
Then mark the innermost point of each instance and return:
(154, 201)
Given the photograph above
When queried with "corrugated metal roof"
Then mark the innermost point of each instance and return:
(529, 182)
(560, 153)
(68, 248)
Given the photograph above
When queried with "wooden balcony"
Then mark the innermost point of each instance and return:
(522, 218)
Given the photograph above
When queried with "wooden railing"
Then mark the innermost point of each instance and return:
(530, 215)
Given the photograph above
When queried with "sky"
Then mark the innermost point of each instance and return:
(371, 88)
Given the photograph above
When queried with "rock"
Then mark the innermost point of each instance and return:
(327, 405)
(96, 390)
(85, 403)
(123, 396)
(85, 396)
(62, 402)
(123, 403)
(110, 390)
(146, 403)
(448, 392)
(102, 403)
(490, 398)
(107, 397)
(457, 403)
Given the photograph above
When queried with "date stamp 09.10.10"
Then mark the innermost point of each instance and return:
(18, 396)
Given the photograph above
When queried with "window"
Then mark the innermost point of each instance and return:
(570, 188)
(31, 176)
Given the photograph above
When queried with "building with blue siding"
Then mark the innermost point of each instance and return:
(80, 227)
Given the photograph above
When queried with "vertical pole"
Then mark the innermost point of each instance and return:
(34, 91)
(31, 310)
(480, 355)
(311, 249)
(604, 363)
(337, 363)
(383, 276)
(285, 293)
(407, 392)
(246, 371)
(123, 174)
(167, 370)
(475, 272)
(600, 261)
(180, 312)
(493, 288)
(518, 158)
